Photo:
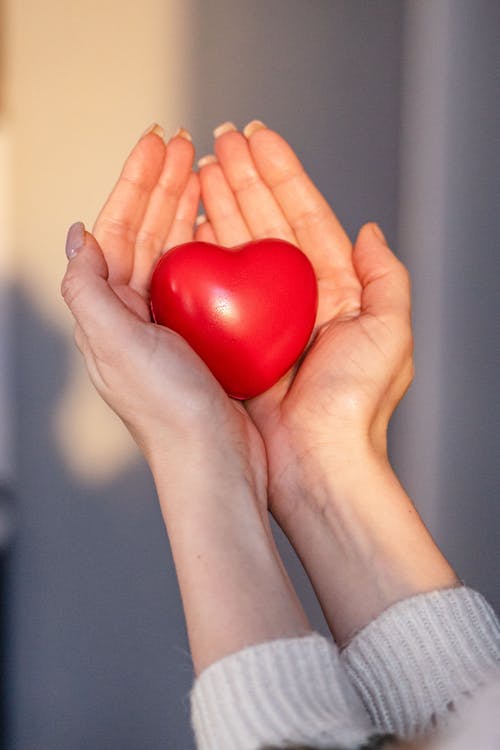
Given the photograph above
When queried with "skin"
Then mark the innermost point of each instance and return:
(331, 486)
(206, 455)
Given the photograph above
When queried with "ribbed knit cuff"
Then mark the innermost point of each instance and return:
(290, 691)
(424, 655)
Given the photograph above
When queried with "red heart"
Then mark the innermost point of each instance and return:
(247, 311)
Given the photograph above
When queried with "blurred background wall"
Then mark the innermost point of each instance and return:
(392, 107)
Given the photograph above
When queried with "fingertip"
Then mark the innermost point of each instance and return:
(183, 133)
(150, 146)
(207, 160)
(75, 239)
(384, 278)
(180, 151)
(372, 231)
(371, 234)
(81, 245)
(204, 232)
(152, 143)
(376, 230)
(181, 140)
(272, 154)
(252, 127)
(155, 129)
(226, 127)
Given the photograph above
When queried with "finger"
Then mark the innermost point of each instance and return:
(103, 319)
(204, 230)
(220, 204)
(257, 204)
(318, 231)
(385, 281)
(121, 217)
(162, 207)
(182, 227)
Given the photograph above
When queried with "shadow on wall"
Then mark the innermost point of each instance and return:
(98, 652)
(98, 655)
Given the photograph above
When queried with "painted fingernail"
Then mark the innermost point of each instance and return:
(201, 219)
(226, 127)
(154, 128)
(183, 133)
(252, 128)
(205, 160)
(75, 239)
(378, 233)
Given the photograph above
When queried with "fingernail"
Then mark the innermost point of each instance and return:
(252, 128)
(378, 233)
(154, 128)
(205, 160)
(75, 239)
(183, 133)
(201, 219)
(226, 127)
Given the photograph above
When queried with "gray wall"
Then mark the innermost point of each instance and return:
(469, 481)
(98, 651)
(445, 435)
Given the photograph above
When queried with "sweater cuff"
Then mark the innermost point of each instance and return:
(422, 657)
(289, 691)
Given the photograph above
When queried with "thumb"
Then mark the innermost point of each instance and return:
(98, 311)
(384, 279)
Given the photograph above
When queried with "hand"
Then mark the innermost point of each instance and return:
(331, 487)
(149, 376)
(359, 362)
(206, 455)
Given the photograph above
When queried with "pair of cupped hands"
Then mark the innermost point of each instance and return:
(337, 402)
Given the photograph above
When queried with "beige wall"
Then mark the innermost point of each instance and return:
(82, 80)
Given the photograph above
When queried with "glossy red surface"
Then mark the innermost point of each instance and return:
(247, 311)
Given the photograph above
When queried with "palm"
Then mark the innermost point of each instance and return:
(319, 392)
(259, 188)
(152, 208)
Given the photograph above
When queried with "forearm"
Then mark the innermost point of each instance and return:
(360, 538)
(234, 588)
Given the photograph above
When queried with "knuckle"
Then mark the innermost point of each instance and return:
(274, 230)
(401, 270)
(315, 214)
(247, 182)
(71, 288)
(146, 238)
(119, 228)
(137, 182)
(169, 187)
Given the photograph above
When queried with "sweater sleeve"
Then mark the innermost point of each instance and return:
(420, 660)
(292, 691)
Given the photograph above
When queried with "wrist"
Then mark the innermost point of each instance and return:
(234, 588)
(349, 513)
(318, 476)
(208, 461)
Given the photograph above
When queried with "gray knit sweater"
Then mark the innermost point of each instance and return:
(429, 664)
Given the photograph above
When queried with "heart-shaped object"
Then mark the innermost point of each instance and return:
(247, 311)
